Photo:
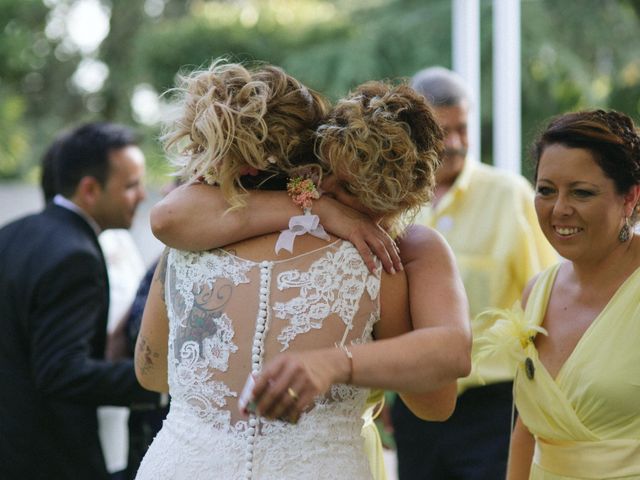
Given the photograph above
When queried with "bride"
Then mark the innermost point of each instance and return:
(301, 323)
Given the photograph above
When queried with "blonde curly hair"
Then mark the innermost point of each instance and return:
(385, 142)
(235, 119)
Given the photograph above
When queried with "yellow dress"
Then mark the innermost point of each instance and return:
(586, 421)
(372, 442)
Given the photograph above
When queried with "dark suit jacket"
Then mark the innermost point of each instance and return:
(53, 315)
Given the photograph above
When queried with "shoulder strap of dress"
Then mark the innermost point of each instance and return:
(540, 293)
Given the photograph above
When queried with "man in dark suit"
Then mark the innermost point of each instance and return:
(54, 300)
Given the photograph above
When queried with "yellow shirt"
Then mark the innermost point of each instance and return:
(488, 219)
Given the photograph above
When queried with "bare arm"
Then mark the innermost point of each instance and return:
(520, 453)
(151, 345)
(422, 364)
(195, 217)
(439, 316)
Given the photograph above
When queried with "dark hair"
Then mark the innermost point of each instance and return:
(47, 175)
(85, 152)
(610, 136)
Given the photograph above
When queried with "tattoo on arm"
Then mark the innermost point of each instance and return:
(145, 357)
(161, 272)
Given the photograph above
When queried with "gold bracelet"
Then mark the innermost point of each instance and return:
(349, 355)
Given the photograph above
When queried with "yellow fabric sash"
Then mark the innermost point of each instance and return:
(372, 443)
(595, 459)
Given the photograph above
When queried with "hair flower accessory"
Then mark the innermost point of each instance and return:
(303, 191)
(510, 337)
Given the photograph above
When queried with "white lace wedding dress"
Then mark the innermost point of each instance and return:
(228, 317)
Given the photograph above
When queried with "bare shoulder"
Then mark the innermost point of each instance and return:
(436, 290)
(527, 289)
(559, 284)
(420, 243)
(263, 247)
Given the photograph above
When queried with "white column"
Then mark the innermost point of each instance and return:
(466, 61)
(506, 85)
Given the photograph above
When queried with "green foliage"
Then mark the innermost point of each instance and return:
(191, 43)
(365, 50)
(574, 55)
(23, 44)
(14, 140)
(332, 54)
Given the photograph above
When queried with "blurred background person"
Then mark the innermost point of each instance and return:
(54, 311)
(125, 269)
(487, 217)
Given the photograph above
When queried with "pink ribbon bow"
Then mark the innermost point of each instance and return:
(299, 225)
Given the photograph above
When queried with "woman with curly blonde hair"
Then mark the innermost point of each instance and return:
(300, 323)
(235, 122)
(388, 168)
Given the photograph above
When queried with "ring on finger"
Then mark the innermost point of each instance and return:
(292, 393)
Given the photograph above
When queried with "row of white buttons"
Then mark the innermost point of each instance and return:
(256, 357)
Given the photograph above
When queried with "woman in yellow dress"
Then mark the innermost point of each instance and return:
(577, 387)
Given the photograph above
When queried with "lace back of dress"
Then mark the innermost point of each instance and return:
(229, 316)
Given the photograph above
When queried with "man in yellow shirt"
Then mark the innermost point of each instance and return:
(488, 218)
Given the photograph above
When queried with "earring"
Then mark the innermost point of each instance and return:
(625, 231)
